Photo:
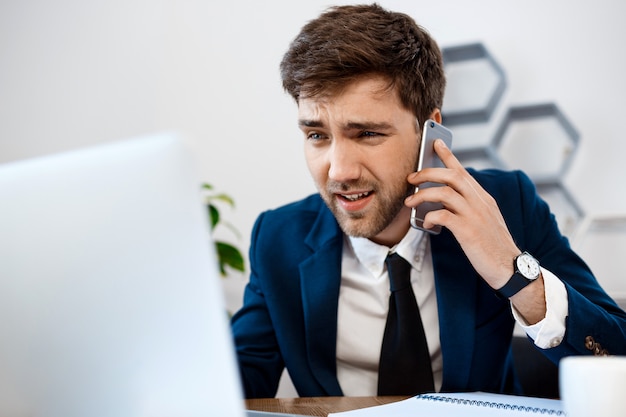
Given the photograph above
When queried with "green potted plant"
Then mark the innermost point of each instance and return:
(228, 255)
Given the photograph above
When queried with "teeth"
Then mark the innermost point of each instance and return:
(354, 197)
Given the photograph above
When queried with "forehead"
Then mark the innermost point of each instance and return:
(365, 95)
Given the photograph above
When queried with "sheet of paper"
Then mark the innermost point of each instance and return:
(461, 404)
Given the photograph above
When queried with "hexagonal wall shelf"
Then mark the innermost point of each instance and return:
(475, 84)
(537, 139)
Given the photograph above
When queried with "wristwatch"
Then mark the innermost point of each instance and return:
(526, 270)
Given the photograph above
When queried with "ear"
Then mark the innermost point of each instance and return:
(436, 115)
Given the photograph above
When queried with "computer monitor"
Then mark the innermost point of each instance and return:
(110, 300)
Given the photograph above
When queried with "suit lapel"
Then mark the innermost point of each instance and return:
(320, 277)
(456, 301)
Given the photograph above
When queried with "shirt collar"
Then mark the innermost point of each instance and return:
(412, 247)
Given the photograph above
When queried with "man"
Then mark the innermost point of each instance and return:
(365, 80)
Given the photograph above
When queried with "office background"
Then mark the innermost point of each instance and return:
(76, 73)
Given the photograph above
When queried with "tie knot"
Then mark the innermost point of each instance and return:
(399, 272)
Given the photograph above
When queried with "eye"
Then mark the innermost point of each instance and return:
(371, 137)
(315, 136)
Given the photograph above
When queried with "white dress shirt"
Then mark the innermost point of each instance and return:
(364, 301)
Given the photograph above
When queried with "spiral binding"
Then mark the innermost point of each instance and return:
(491, 404)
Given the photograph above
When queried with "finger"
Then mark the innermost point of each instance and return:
(455, 175)
(446, 155)
(458, 178)
(447, 196)
(440, 217)
(439, 175)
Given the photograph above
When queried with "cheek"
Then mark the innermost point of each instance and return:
(316, 163)
(401, 161)
(411, 154)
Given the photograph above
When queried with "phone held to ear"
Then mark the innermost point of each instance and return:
(429, 159)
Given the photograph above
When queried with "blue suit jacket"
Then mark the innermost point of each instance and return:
(289, 316)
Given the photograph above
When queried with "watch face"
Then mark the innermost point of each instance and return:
(528, 266)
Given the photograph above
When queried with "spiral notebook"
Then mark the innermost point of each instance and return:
(462, 404)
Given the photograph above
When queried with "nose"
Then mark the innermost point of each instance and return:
(343, 159)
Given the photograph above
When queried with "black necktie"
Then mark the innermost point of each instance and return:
(405, 367)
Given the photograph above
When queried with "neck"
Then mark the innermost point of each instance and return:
(395, 231)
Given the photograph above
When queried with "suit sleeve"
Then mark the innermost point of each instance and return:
(260, 361)
(592, 315)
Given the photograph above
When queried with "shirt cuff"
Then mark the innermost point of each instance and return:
(550, 331)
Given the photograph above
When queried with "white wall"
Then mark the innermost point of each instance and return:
(74, 73)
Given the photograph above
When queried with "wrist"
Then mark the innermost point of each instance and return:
(526, 270)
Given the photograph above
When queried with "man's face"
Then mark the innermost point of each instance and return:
(360, 145)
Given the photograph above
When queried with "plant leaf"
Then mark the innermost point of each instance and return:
(225, 198)
(214, 215)
(229, 256)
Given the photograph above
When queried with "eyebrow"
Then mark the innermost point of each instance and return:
(367, 126)
(310, 123)
(349, 125)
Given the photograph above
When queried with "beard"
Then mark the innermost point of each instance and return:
(381, 211)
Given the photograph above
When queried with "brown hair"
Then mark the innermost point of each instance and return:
(346, 42)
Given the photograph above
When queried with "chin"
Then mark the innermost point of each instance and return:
(359, 227)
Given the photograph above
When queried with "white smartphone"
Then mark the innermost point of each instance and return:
(429, 159)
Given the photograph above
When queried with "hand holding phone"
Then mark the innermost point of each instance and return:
(429, 159)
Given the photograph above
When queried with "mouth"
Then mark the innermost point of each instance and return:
(354, 202)
(355, 197)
